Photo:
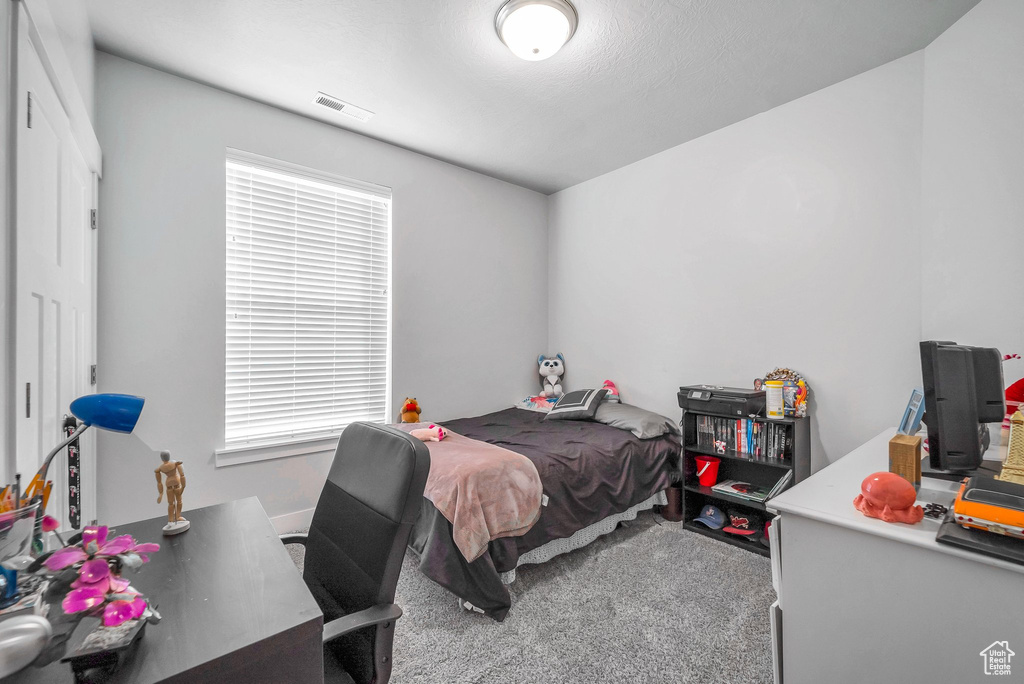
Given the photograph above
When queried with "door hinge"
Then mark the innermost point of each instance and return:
(92, 374)
(28, 399)
(29, 113)
(92, 219)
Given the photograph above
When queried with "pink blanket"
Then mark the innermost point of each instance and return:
(486, 492)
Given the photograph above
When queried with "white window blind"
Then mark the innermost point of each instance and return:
(307, 302)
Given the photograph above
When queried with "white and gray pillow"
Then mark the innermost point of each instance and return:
(577, 405)
(643, 424)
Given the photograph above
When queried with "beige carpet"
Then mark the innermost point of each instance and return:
(649, 603)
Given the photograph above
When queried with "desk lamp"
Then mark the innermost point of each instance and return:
(114, 412)
(23, 637)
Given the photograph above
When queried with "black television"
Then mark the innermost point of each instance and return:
(963, 392)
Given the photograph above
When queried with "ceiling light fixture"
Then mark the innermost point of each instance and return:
(535, 29)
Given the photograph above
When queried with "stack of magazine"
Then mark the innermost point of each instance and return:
(752, 492)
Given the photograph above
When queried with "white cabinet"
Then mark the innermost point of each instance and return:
(861, 600)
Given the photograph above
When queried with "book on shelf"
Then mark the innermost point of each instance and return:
(744, 490)
(752, 492)
(781, 484)
(756, 438)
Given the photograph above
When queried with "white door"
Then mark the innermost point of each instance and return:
(53, 283)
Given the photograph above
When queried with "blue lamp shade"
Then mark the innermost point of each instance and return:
(116, 412)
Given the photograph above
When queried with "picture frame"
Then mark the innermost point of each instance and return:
(911, 421)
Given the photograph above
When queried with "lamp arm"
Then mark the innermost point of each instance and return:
(49, 457)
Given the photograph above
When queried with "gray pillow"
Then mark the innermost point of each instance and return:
(578, 405)
(643, 424)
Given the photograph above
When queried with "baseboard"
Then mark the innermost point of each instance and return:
(292, 522)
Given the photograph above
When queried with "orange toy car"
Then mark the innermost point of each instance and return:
(992, 505)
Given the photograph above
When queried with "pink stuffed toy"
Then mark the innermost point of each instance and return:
(613, 391)
(431, 433)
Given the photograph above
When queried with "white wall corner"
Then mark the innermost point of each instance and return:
(293, 522)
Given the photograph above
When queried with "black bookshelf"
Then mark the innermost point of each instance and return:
(737, 465)
(731, 539)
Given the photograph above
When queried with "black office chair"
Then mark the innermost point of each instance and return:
(356, 544)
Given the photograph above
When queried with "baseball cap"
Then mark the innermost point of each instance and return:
(712, 517)
(743, 523)
(764, 539)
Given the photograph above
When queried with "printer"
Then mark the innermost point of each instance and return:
(726, 401)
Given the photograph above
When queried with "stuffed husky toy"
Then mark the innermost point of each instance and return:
(552, 368)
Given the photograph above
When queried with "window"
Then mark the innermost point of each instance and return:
(1001, 499)
(308, 327)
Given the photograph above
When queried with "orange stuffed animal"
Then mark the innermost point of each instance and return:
(410, 411)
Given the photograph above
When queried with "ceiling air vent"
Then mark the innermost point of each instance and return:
(357, 113)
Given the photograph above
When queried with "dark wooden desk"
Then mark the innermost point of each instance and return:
(233, 604)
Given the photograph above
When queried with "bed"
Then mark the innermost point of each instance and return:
(593, 476)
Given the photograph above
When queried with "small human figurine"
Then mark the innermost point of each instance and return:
(175, 476)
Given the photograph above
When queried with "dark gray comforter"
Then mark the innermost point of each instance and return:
(589, 471)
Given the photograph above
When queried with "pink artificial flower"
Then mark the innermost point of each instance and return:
(84, 598)
(118, 585)
(117, 612)
(116, 546)
(50, 523)
(109, 583)
(62, 558)
(103, 584)
(96, 584)
(142, 549)
(94, 571)
(138, 607)
(121, 611)
(93, 538)
(94, 541)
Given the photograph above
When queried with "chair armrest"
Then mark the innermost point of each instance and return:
(374, 615)
(294, 538)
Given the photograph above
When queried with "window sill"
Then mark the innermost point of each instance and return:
(237, 455)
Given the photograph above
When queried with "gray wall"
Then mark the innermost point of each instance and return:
(870, 215)
(973, 181)
(469, 315)
(788, 239)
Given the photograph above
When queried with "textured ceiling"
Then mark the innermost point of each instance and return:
(638, 77)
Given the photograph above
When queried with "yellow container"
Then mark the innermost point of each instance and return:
(774, 399)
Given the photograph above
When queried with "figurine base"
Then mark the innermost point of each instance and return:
(175, 527)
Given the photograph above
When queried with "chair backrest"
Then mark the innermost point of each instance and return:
(362, 522)
(357, 539)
